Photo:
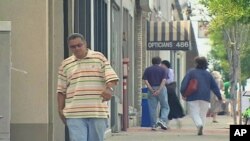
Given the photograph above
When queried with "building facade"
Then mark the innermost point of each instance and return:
(33, 44)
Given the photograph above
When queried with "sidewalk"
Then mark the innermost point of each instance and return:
(188, 132)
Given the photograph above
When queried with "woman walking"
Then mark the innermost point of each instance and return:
(198, 101)
(176, 110)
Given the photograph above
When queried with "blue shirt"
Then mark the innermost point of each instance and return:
(154, 75)
(206, 83)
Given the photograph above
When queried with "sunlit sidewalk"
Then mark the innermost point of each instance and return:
(188, 132)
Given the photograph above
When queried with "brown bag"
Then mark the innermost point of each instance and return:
(191, 88)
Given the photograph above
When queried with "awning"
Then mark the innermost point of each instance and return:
(174, 35)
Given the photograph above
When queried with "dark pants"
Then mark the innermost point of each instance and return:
(176, 110)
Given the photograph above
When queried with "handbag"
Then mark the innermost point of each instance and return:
(192, 87)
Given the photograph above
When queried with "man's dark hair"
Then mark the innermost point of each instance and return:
(156, 60)
(76, 35)
(166, 63)
(201, 62)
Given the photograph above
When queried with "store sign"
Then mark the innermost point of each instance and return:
(174, 35)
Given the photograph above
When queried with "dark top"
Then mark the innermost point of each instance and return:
(206, 83)
(154, 75)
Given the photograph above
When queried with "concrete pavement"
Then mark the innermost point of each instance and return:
(188, 132)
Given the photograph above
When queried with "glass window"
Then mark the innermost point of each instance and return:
(100, 20)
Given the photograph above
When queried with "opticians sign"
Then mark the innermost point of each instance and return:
(173, 35)
(168, 45)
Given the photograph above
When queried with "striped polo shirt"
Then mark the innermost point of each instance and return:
(83, 80)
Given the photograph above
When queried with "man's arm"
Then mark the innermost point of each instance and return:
(163, 82)
(111, 83)
(61, 104)
(149, 86)
(108, 90)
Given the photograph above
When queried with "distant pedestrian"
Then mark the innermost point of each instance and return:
(176, 110)
(155, 79)
(246, 116)
(85, 82)
(198, 101)
(228, 105)
(215, 104)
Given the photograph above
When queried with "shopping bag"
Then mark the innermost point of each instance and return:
(191, 88)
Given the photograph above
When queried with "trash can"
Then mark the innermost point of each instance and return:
(145, 118)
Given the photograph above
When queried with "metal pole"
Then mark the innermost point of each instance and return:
(125, 105)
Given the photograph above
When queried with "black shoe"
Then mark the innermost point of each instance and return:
(162, 124)
(200, 130)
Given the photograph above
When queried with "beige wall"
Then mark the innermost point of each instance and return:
(56, 53)
(29, 59)
(37, 50)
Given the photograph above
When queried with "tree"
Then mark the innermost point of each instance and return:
(231, 17)
(218, 56)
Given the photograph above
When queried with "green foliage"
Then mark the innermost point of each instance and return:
(245, 63)
(246, 113)
(227, 12)
(218, 54)
(245, 5)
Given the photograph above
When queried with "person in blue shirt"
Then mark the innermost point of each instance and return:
(155, 78)
(198, 101)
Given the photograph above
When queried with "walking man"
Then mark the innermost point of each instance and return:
(85, 82)
(155, 79)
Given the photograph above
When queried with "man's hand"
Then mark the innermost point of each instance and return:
(156, 92)
(106, 94)
(61, 104)
(62, 116)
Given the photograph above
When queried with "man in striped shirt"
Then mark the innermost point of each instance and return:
(85, 82)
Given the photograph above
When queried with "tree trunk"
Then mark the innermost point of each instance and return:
(234, 79)
(233, 58)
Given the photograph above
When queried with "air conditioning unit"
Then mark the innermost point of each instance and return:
(147, 5)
